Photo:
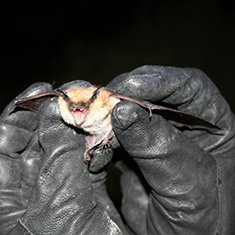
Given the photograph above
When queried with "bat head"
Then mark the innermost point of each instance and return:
(88, 108)
(76, 101)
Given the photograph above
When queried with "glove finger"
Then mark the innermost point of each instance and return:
(19, 158)
(131, 121)
(190, 90)
(157, 146)
(175, 168)
(78, 83)
(17, 125)
(34, 89)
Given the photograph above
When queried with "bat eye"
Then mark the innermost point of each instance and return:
(63, 94)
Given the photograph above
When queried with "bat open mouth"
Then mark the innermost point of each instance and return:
(79, 115)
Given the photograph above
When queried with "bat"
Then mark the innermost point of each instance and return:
(89, 108)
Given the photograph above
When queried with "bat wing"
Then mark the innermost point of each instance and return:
(186, 119)
(34, 102)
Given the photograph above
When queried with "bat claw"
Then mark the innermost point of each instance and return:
(150, 112)
(88, 154)
(105, 145)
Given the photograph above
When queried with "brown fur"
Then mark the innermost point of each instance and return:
(98, 119)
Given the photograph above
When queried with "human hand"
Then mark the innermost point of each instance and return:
(189, 173)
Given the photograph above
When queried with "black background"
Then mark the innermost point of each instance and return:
(96, 40)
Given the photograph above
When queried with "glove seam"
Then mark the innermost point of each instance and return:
(23, 228)
(218, 229)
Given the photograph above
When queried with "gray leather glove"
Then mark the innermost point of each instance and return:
(46, 187)
(185, 181)
(20, 157)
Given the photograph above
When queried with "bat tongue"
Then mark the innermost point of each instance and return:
(79, 116)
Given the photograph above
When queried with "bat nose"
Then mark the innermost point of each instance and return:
(74, 106)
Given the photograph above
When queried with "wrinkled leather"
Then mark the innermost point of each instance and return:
(173, 180)
(19, 159)
(61, 196)
(190, 172)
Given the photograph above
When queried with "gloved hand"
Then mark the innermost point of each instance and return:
(180, 176)
(185, 181)
(46, 187)
(19, 159)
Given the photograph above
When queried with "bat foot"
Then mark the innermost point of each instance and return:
(87, 159)
(105, 145)
(89, 151)
(107, 137)
(87, 155)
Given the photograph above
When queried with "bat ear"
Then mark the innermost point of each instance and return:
(34, 102)
(94, 95)
(63, 94)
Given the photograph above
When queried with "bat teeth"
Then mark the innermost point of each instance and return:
(79, 106)
(79, 116)
(76, 109)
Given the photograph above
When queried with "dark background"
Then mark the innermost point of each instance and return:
(97, 40)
